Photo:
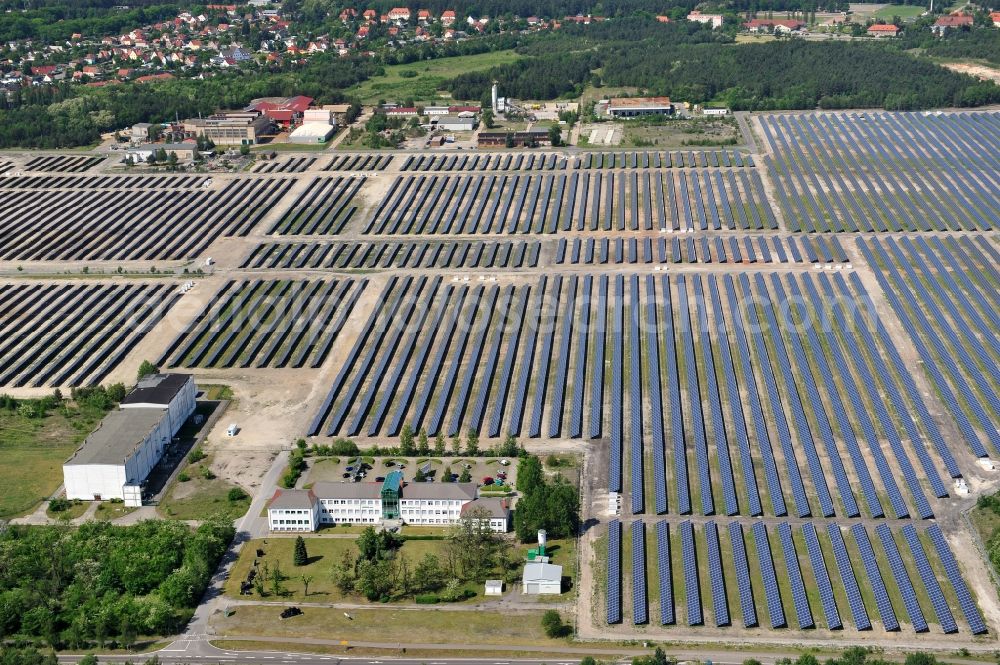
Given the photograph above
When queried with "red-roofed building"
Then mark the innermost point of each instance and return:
(448, 16)
(154, 77)
(283, 111)
(883, 30)
(402, 112)
(401, 14)
(423, 16)
(348, 14)
(663, 19)
(951, 22)
(995, 17)
(43, 70)
(773, 25)
(370, 15)
(464, 109)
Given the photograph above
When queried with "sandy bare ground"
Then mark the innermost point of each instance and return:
(981, 72)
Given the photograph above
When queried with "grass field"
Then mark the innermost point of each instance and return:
(32, 452)
(325, 553)
(902, 11)
(426, 625)
(426, 85)
(200, 498)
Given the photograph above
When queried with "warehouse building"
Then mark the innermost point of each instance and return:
(236, 128)
(541, 578)
(635, 107)
(374, 503)
(526, 139)
(312, 132)
(453, 123)
(173, 393)
(116, 458)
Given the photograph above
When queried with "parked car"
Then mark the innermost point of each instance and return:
(290, 612)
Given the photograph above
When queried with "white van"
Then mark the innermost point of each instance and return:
(232, 430)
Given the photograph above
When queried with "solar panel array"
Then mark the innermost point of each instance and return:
(800, 580)
(664, 160)
(514, 202)
(640, 601)
(835, 171)
(614, 590)
(747, 250)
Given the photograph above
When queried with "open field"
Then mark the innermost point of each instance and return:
(32, 452)
(521, 627)
(202, 496)
(905, 12)
(682, 132)
(426, 86)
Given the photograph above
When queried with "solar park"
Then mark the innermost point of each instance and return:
(781, 366)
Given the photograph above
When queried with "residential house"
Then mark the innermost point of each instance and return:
(786, 26)
(951, 22)
(715, 20)
(883, 30)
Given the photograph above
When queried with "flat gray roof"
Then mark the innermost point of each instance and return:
(439, 491)
(117, 437)
(326, 489)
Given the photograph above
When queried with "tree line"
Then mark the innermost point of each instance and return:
(102, 584)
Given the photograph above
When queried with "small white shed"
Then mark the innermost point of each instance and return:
(494, 587)
(541, 578)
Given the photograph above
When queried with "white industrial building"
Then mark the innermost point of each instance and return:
(312, 132)
(541, 578)
(465, 122)
(373, 503)
(174, 393)
(116, 458)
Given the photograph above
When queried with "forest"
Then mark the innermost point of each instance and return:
(982, 43)
(686, 62)
(795, 74)
(101, 585)
(57, 23)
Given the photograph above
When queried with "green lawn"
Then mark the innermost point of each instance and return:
(395, 625)
(32, 452)
(431, 75)
(902, 11)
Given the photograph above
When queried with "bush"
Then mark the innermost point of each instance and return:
(59, 505)
(426, 599)
(196, 455)
(553, 625)
(183, 477)
(236, 494)
(207, 474)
